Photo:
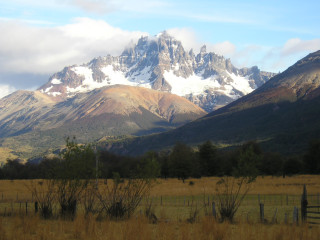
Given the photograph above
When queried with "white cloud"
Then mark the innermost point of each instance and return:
(46, 50)
(6, 90)
(187, 36)
(296, 45)
(276, 58)
(190, 40)
(225, 48)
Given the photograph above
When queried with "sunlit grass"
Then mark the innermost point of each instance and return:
(173, 203)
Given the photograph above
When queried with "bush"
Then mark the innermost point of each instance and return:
(120, 200)
(44, 194)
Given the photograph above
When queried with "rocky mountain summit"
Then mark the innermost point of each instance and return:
(161, 63)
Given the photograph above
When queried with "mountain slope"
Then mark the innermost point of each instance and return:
(34, 120)
(161, 63)
(284, 114)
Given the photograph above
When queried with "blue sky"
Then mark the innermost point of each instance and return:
(39, 38)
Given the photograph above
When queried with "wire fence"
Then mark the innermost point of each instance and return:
(277, 208)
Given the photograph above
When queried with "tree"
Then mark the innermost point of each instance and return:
(248, 160)
(73, 174)
(148, 166)
(180, 161)
(13, 169)
(293, 165)
(271, 164)
(312, 157)
(164, 163)
(208, 159)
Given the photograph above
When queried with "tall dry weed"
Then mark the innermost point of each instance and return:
(137, 229)
(3, 235)
(210, 229)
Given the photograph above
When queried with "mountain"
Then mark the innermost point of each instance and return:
(283, 115)
(161, 63)
(31, 121)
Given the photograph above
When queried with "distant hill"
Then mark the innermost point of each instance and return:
(283, 114)
(32, 122)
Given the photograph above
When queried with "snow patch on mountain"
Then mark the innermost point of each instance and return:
(48, 89)
(140, 79)
(240, 83)
(54, 94)
(194, 84)
(56, 81)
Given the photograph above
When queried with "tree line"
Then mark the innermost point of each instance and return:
(182, 161)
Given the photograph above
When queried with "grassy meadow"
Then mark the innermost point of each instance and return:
(173, 202)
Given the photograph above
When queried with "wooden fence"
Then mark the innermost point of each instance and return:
(309, 214)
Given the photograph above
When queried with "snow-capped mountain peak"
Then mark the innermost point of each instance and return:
(161, 63)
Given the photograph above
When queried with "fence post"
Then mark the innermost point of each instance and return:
(259, 198)
(261, 212)
(287, 200)
(214, 213)
(274, 219)
(295, 215)
(26, 207)
(286, 218)
(36, 207)
(304, 204)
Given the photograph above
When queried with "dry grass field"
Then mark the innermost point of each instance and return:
(33, 228)
(173, 203)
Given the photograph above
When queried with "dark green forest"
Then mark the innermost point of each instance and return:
(182, 162)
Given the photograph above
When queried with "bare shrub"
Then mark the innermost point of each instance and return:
(232, 190)
(45, 195)
(230, 193)
(149, 211)
(89, 199)
(120, 200)
(193, 214)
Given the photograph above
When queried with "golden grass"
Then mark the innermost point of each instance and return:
(33, 228)
(14, 190)
(179, 200)
(262, 185)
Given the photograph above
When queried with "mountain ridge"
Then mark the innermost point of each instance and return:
(277, 115)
